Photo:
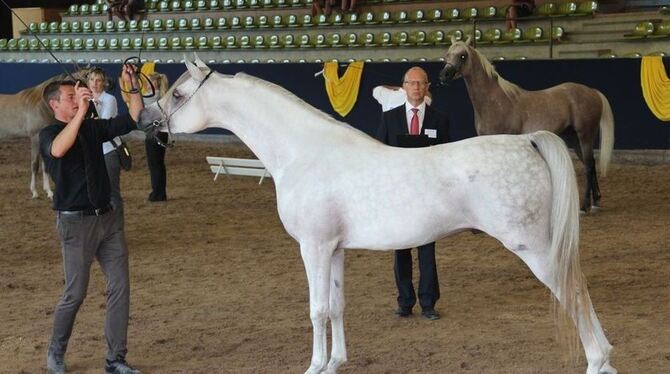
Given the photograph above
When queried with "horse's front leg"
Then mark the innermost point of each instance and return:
(317, 259)
(338, 354)
(45, 181)
(34, 164)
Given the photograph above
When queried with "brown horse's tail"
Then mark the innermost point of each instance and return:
(606, 134)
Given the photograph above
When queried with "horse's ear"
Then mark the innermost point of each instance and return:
(468, 41)
(195, 71)
(198, 62)
(453, 39)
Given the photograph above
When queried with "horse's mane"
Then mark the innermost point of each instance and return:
(292, 98)
(510, 89)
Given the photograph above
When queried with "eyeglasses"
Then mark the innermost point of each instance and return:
(415, 83)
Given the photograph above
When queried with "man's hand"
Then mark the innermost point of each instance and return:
(83, 96)
(129, 75)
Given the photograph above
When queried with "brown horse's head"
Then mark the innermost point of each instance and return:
(458, 61)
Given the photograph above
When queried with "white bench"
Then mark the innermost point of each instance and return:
(238, 166)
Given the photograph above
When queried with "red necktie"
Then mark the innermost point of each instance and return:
(414, 124)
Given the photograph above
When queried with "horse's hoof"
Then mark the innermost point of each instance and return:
(595, 209)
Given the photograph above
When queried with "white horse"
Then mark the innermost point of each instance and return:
(338, 188)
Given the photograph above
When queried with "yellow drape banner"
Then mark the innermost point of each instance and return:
(343, 92)
(656, 86)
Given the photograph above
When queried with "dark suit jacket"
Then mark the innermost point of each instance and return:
(394, 123)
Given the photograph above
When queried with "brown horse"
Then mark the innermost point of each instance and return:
(25, 114)
(502, 107)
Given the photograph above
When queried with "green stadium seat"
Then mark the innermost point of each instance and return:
(201, 5)
(215, 5)
(567, 9)
(477, 38)
(222, 23)
(235, 22)
(182, 24)
(456, 34)
(170, 24)
(305, 41)
(75, 26)
(513, 35)
(274, 41)
(488, 12)
(438, 37)
(369, 39)
(64, 27)
(282, 3)
(227, 4)
(34, 45)
(43, 27)
(23, 44)
(435, 15)
(419, 16)
(54, 27)
(337, 19)
(175, 6)
(77, 44)
(110, 26)
(295, 3)
(586, 8)
(642, 30)
(101, 45)
(89, 44)
(632, 55)
(245, 42)
(547, 9)
(73, 10)
(401, 17)
(13, 44)
(145, 25)
(492, 35)
(164, 6)
(84, 9)
(175, 43)
(104, 9)
(533, 34)
(662, 30)
(189, 42)
(133, 25)
(401, 38)
(307, 20)
(254, 4)
(353, 19)
(34, 27)
(334, 40)
(209, 24)
(163, 43)
(386, 39)
(216, 42)
(231, 42)
(121, 26)
(125, 43)
(351, 40)
(369, 18)
(113, 44)
(138, 43)
(268, 4)
(453, 14)
(288, 41)
(250, 22)
(240, 4)
(202, 43)
(96, 9)
(158, 25)
(557, 33)
(263, 21)
(320, 41)
(259, 42)
(323, 20)
(189, 6)
(277, 21)
(87, 27)
(419, 38)
(470, 13)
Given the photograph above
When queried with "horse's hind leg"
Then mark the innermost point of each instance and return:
(596, 347)
(34, 164)
(317, 259)
(595, 189)
(338, 354)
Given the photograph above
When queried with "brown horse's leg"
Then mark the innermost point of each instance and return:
(595, 189)
(590, 173)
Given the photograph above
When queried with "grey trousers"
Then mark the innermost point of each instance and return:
(84, 238)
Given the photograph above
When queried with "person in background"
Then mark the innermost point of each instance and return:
(415, 118)
(88, 225)
(107, 108)
(390, 97)
(519, 8)
(155, 151)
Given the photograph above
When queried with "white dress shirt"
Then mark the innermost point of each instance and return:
(107, 108)
(390, 98)
(409, 113)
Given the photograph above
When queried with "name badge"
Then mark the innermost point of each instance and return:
(431, 133)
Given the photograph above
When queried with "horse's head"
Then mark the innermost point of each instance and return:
(181, 109)
(457, 61)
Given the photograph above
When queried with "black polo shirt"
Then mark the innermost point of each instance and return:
(68, 172)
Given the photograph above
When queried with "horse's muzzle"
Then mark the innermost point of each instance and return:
(447, 73)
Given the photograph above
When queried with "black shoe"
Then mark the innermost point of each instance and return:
(156, 197)
(403, 312)
(431, 314)
(119, 367)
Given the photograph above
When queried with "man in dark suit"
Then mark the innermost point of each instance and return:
(415, 124)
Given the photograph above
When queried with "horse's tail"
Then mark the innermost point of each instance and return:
(606, 134)
(568, 279)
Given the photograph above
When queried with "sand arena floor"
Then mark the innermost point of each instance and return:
(219, 287)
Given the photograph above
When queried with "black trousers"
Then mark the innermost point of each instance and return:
(429, 288)
(156, 163)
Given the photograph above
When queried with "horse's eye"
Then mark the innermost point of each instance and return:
(463, 57)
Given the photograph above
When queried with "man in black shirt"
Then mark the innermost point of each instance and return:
(87, 224)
